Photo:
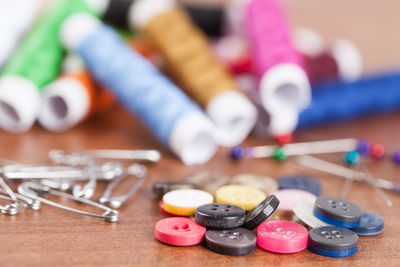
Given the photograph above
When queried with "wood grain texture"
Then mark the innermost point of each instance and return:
(54, 238)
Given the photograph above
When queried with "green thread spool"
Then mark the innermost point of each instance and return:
(35, 64)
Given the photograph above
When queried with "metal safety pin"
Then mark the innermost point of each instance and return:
(10, 209)
(79, 158)
(35, 190)
(106, 171)
(116, 202)
(88, 189)
(26, 201)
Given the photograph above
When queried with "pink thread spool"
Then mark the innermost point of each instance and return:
(284, 87)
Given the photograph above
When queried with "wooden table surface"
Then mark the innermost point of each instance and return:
(52, 237)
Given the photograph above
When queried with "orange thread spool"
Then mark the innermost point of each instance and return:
(188, 56)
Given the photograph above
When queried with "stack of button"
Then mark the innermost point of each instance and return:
(228, 225)
(337, 211)
(244, 203)
(225, 226)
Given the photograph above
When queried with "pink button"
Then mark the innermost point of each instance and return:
(289, 197)
(179, 231)
(282, 237)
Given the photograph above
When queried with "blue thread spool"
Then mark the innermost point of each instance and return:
(166, 110)
(345, 100)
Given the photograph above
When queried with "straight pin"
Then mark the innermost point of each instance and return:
(295, 149)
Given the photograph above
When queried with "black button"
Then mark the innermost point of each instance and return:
(235, 242)
(338, 209)
(332, 238)
(261, 212)
(220, 216)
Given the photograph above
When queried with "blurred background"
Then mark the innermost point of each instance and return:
(369, 27)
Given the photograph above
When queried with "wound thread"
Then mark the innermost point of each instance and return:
(374, 94)
(71, 99)
(188, 56)
(167, 111)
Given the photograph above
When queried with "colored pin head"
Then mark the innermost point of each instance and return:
(378, 151)
(352, 158)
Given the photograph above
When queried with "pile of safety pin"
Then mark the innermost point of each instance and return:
(90, 166)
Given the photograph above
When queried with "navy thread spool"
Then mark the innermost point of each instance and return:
(116, 11)
(340, 101)
(167, 111)
(210, 19)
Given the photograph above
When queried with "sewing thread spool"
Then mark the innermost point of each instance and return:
(167, 111)
(209, 18)
(284, 87)
(340, 100)
(70, 99)
(35, 64)
(116, 12)
(190, 61)
(340, 59)
(16, 17)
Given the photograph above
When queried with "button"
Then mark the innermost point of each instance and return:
(235, 242)
(220, 216)
(208, 181)
(370, 224)
(263, 183)
(243, 196)
(185, 201)
(161, 188)
(282, 237)
(289, 197)
(332, 241)
(163, 211)
(300, 182)
(337, 211)
(179, 231)
(260, 213)
(304, 211)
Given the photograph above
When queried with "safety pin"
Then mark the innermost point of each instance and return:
(343, 172)
(59, 184)
(106, 171)
(10, 209)
(79, 158)
(35, 190)
(26, 201)
(88, 189)
(116, 202)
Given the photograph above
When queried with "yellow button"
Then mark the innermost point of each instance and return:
(243, 196)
